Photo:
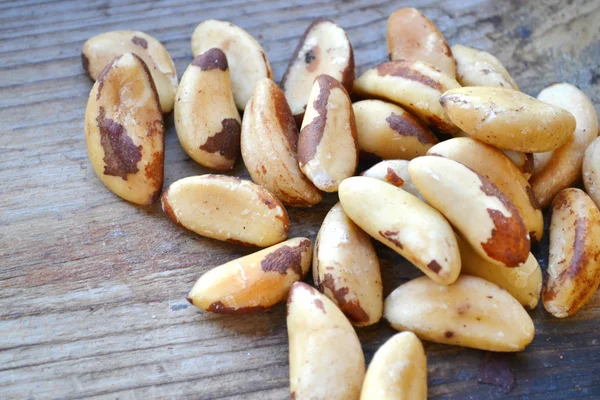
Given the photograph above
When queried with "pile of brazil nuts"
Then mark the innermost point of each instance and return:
(465, 211)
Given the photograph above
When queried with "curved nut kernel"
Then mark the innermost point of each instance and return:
(562, 168)
(327, 145)
(346, 268)
(405, 224)
(269, 144)
(476, 67)
(394, 172)
(412, 36)
(415, 85)
(508, 119)
(124, 130)
(486, 160)
(471, 313)
(255, 282)
(98, 51)
(226, 208)
(326, 359)
(484, 215)
(323, 49)
(573, 273)
(591, 171)
(247, 59)
(387, 131)
(523, 161)
(208, 123)
(398, 370)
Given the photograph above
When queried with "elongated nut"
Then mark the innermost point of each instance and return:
(415, 85)
(247, 60)
(227, 208)
(124, 130)
(327, 145)
(561, 168)
(405, 224)
(471, 312)
(524, 283)
(255, 282)
(208, 123)
(479, 68)
(98, 51)
(486, 160)
(269, 145)
(412, 36)
(574, 266)
(523, 161)
(387, 131)
(398, 370)
(326, 360)
(394, 172)
(323, 49)
(485, 216)
(591, 171)
(508, 119)
(346, 268)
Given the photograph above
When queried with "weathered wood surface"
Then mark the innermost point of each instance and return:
(92, 288)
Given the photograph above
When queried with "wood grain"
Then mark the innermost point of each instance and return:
(92, 288)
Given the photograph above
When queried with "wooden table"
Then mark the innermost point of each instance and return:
(92, 289)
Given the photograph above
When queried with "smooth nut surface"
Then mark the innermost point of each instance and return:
(476, 67)
(208, 123)
(405, 224)
(485, 216)
(255, 282)
(124, 130)
(326, 359)
(508, 119)
(591, 171)
(226, 208)
(573, 273)
(98, 51)
(523, 161)
(471, 313)
(247, 60)
(394, 172)
(388, 131)
(346, 268)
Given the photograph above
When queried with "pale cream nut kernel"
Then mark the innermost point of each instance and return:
(394, 172)
(476, 67)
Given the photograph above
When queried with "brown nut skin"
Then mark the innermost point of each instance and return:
(101, 49)
(207, 121)
(124, 130)
(412, 36)
(323, 49)
(327, 145)
(573, 273)
(269, 144)
(394, 172)
(561, 168)
(591, 171)
(523, 161)
(388, 131)
(255, 282)
(479, 68)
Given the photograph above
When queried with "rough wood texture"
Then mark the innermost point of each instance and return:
(92, 288)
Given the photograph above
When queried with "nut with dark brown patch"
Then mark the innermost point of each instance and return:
(479, 68)
(394, 172)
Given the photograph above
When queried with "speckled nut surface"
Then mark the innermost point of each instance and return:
(573, 273)
(124, 130)
(414, 85)
(247, 60)
(412, 36)
(323, 49)
(208, 123)
(394, 172)
(486, 160)
(508, 119)
(326, 359)
(346, 268)
(327, 145)
(482, 214)
(388, 131)
(591, 171)
(269, 145)
(405, 224)
(471, 313)
(226, 208)
(476, 67)
(561, 168)
(98, 51)
(255, 282)
(523, 161)
(398, 370)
